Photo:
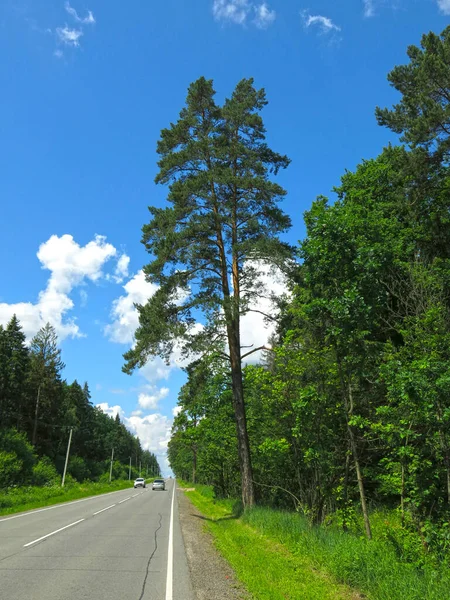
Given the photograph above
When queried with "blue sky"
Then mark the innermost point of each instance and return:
(86, 88)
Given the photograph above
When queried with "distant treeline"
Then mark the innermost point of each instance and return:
(38, 409)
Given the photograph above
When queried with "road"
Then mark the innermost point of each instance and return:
(118, 546)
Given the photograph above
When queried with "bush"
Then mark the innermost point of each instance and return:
(104, 478)
(45, 473)
(17, 452)
(77, 468)
(10, 468)
(69, 480)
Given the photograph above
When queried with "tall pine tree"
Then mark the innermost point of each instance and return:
(222, 220)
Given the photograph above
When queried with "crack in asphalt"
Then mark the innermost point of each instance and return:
(151, 556)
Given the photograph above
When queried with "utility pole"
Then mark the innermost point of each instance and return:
(67, 457)
(110, 470)
(129, 471)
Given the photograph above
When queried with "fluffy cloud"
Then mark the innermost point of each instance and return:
(235, 11)
(256, 329)
(153, 430)
(70, 265)
(264, 16)
(154, 434)
(125, 316)
(176, 410)
(369, 8)
(239, 12)
(444, 6)
(126, 321)
(69, 37)
(151, 401)
(112, 411)
(324, 24)
(121, 271)
(258, 325)
(89, 20)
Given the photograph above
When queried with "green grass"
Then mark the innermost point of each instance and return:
(26, 498)
(374, 567)
(278, 555)
(267, 569)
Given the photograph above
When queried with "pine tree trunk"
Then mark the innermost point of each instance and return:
(248, 492)
(36, 412)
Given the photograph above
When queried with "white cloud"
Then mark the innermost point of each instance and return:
(324, 24)
(256, 329)
(235, 11)
(154, 434)
(122, 268)
(83, 298)
(70, 265)
(153, 430)
(238, 12)
(369, 8)
(151, 401)
(155, 370)
(89, 20)
(125, 316)
(264, 16)
(112, 411)
(58, 53)
(444, 6)
(176, 410)
(68, 36)
(126, 321)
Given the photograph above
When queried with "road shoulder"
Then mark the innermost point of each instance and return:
(211, 575)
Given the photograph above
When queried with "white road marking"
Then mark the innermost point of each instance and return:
(125, 500)
(169, 579)
(52, 533)
(135, 495)
(33, 512)
(103, 509)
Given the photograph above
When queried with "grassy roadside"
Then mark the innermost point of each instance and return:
(21, 499)
(267, 568)
(277, 555)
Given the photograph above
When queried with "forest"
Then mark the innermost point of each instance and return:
(348, 411)
(38, 409)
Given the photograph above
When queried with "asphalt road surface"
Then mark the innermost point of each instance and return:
(125, 545)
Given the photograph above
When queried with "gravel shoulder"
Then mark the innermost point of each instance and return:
(211, 575)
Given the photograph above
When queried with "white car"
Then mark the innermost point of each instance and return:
(159, 484)
(139, 482)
